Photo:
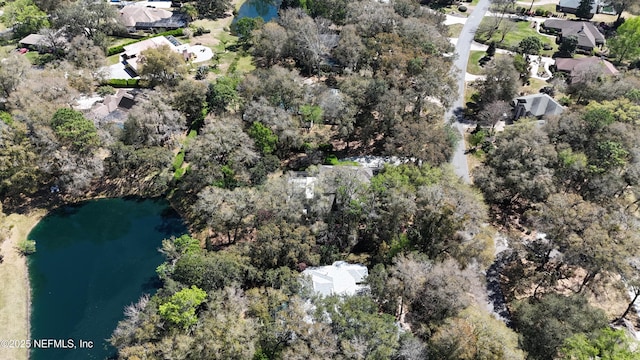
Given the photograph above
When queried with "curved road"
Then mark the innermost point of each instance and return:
(459, 160)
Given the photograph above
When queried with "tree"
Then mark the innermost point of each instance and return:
(211, 270)
(446, 291)
(221, 155)
(222, 94)
(152, 122)
(244, 29)
(568, 46)
(161, 65)
(228, 213)
(520, 170)
(180, 309)
(24, 17)
(583, 11)
(264, 138)
(621, 5)
(350, 49)
(19, 171)
(501, 82)
(190, 98)
(546, 323)
(362, 332)
(226, 330)
(212, 9)
(281, 244)
(625, 44)
(73, 129)
(83, 54)
(12, 72)
(270, 44)
(475, 335)
(531, 45)
(605, 344)
(493, 113)
(93, 19)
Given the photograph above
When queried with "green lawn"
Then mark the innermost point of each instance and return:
(245, 64)
(473, 67)
(455, 30)
(521, 30)
(113, 59)
(534, 86)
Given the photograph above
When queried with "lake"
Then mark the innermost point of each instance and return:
(266, 9)
(92, 260)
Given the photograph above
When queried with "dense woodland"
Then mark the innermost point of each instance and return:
(337, 78)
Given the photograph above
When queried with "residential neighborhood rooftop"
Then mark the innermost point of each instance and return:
(574, 66)
(587, 34)
(340, 278)
(536, 105)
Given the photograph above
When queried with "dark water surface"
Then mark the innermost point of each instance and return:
(91, 261)
(266, 9)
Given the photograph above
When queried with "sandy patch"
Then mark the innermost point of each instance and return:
(14, 277)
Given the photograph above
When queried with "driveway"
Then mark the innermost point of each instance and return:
(463, 45)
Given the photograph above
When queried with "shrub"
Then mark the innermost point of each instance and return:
(547, 47)
(539, 12)
(462, 8)
(106, 90)
(201, 72)
(477, 137)
(331, 160)
(26, 247)
(177, 162)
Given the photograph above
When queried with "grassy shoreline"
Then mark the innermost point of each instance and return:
(15, 296)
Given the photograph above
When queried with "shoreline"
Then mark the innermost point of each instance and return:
(15, 297)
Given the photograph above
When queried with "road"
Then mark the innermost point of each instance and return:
(463, 46)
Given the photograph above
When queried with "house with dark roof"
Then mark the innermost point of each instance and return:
(136, 17)
(571, 6)
(537, 105)
(574, 67)
(588, 36)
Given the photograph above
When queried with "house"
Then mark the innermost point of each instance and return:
(571, 6)
(589, 37)
(132, 58)
(42, 43)
(537, 105)
(136, 17)
(340, 278)
(574, 67)
(114, 107)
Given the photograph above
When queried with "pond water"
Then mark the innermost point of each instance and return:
(91, 261)
(266, 9)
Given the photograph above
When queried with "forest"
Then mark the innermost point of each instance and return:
(335, 79)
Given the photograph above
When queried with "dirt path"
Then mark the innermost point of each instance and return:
(14, 291)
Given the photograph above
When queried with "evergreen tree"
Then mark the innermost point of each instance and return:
(584, 9)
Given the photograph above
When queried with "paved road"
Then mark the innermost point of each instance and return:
(463, 45)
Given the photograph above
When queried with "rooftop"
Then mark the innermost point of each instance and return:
(538, 105)
(586, 33)
(574, 66)
(340, 278)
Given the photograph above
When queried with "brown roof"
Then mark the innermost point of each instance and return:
(573, 66)
(133, 14)
(587, 34)
(32, 40)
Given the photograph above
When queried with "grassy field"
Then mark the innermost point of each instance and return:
(534, 86)
(521, 30)
(14, 296)
(473, 67)
(455, 30)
